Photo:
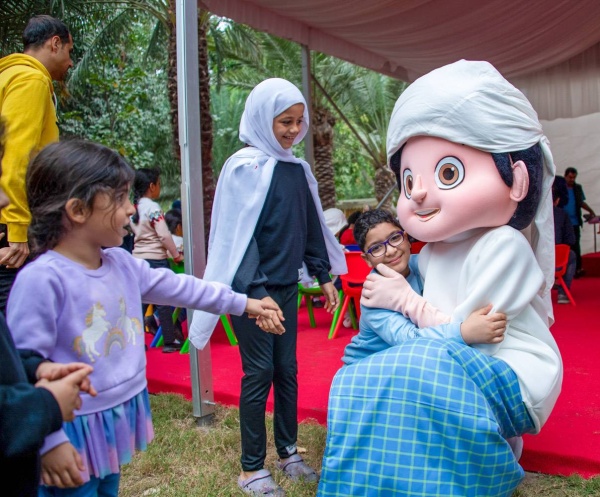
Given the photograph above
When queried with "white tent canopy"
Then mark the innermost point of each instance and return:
(550, 49)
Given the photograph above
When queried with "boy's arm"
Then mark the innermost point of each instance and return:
(394, 328)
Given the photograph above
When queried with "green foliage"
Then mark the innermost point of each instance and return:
(227, 106)
(353, 172)
(122, 103)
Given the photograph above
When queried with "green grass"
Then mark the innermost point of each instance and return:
(185, 460)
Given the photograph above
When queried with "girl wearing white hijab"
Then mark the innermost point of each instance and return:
(267, 221)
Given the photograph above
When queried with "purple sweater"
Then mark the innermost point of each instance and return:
(68, 313)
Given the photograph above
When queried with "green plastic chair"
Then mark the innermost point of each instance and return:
(307, 293)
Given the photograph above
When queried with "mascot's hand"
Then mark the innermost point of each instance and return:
(390, 290)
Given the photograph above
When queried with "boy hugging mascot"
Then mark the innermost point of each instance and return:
(437, 417)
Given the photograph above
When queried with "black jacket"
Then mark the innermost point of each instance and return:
(27, 415)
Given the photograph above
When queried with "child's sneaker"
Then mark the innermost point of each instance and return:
(562, 298)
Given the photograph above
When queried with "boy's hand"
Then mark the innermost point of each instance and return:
(66, 391)
(55, 371)
(482, 327)
(62, 466)
(332, 301)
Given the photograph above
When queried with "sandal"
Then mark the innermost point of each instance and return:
(261, 483)
(295, 468)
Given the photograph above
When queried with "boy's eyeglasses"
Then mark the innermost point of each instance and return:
(379, 249)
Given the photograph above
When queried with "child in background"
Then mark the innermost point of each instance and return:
(267, 220)
(154, 243)
(175, 224)
(347, 234)
(35, 397)
(91, 309)
(382, 241)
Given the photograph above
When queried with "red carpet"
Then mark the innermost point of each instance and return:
(569, 443)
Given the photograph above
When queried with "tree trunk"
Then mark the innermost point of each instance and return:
(172, 79)
(206, 132)
(384, 181)
(206, 138)
(322, 126)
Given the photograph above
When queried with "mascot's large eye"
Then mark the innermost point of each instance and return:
(449, 173)
(407, 180)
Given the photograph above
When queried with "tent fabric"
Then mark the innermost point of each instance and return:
(549, 49)
(410, 38)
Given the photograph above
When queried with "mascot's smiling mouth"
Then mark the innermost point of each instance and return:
(427, 214)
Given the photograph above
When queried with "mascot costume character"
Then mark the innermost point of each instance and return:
(437, 417)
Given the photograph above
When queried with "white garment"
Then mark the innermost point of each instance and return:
(242, 189)
(497, 266)
(471, 103)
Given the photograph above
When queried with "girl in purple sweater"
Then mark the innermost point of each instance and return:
(79, 302)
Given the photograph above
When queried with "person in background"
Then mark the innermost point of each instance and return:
(154, 243)
(347, 234)
(28, 107)
(576, 202)
(175, 224)
(563, 232)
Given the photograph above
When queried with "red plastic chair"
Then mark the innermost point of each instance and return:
(561, 262)
(352, 283)
(416, 246)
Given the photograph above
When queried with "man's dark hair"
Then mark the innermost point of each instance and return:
(571, 170)
(41, 28)
(559, 190)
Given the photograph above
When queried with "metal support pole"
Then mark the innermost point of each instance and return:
(191, 190)
(309, 149)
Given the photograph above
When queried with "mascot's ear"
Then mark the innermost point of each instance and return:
(520, 186)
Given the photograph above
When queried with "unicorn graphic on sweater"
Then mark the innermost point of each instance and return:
(96, 327)
(130, 326)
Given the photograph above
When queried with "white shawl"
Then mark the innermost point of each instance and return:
(471, 103)
(242, 189)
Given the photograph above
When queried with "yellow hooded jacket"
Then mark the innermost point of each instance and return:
(28, 111)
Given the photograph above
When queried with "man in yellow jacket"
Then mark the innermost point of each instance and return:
(28, 109)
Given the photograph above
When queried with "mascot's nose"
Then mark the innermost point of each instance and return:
(418, 192)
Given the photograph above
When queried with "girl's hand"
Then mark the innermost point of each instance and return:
(51, 371)
(178, 259)
(332, 300)
(62, 466)
(483, 327)
(66, 391)
(269, 315)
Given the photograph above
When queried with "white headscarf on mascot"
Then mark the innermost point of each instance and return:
(242, 188)
(471, 103)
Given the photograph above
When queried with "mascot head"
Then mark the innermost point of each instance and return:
(469, 152)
